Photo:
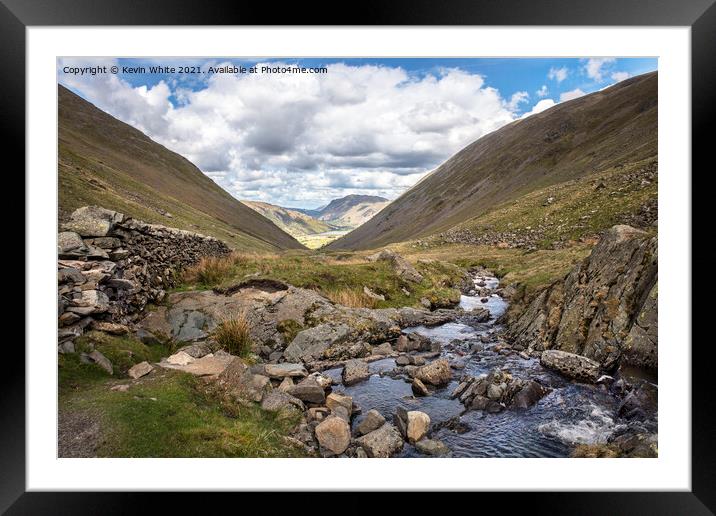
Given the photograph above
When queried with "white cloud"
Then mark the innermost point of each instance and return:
(539, 107)
(573, 94)
(595, 67)
(303, 139)
(620, 76)
(558, 74)
(543, 91)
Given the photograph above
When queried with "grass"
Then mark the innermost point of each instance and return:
(338, 276)
(233, 335)
(173, 414)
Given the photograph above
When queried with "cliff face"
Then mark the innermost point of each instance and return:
(604, 309)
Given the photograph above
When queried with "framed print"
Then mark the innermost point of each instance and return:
(418, 250)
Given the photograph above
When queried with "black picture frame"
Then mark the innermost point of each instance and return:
(699, 15)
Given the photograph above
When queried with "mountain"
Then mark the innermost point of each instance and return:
(352, 210)
(293, 222)
(611, 128)
(106, 162)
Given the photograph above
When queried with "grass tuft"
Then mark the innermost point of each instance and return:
(352, 298)
(234, 335)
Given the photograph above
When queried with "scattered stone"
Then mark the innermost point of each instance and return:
(402, 360)
(432, 447)
(180, 359)
(139, 370)
(333, 435)
(372, 421)
(384, 349)
(285, 369)
(308, 390)
(400, 265)
(418, 425)
(120, 388)
(196, 350)
(318, 413)
(109, 327)
(571, 365)
(435, 373)
(401, 344)
(286, 384)
(373, 295)
(277, 401)
(419, 388)
(336, 399)
(355, 371)
(101, 360)
(381, 443)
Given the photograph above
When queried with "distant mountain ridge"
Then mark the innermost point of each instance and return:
(293, 222)
(352, 210)
(613, 127)
(103, 161)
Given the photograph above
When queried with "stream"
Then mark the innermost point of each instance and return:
(572, 413)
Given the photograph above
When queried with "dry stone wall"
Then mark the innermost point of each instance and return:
(110, 266)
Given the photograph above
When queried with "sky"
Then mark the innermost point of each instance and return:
(365, 126)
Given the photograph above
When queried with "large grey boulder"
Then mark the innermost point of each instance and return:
(604, 309)
(308, 390)
(373, 420)
(70, 244)
(435, 373)
(381, 443)
(278, 401)
(571, 365)
(400, 265)
(285, 369)
(310, 344)
(93, 221)
(355, 371)
(139, 370)
(333, 435)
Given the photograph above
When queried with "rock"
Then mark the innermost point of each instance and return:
(355, 371)
(139, 370)
(90, 302)
(571, 365)
(381, 443)
(321, 379)
(384, 349)
(435, 373)
(277, 401)
(368, 292)
(400, 265)
(336, 399)
(310, 344)
(120, 388)
(285, 369)
(419, 388)
(239, 381)
(432, 447)
(147, 337)
(109, 327)
(370, 422)
(209, 365)
(196, 350)
(101, 360)
(341, 412)
(333, 435)
(400, 418)
(486, 404)
(418, 425)
(640, 403)
(318, 413)
(286, 384)
(530, 394)
(494, 392)
(401, 344)
(92, 221)
(604, 309)
(181, 359)
(308, 391)
(403, 360)
(66, 347)
(70, 243)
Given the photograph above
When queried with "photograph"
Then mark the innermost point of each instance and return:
(357, 257)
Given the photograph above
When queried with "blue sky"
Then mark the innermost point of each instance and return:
(371, 126)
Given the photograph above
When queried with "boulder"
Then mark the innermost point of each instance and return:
(70, 244)
(309, 391)
(286, 384)
(401, 344)
(92, 221)
(418, 425)
(98, 358)
(310, 344)
(336, 399)
(355, 371)
(432, 447)
(384, 349)
(435, 373)
(419, 388)
(400, 265)
(139, 370)
(381, 443)
(530, 394)
(277, 401)
(109, 327)
(571, 365)
(333, 435)
(180, 358)
(285, 369)
(196, 350)
(90, 302)
(370, 422)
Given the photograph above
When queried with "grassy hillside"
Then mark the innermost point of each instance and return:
(352, 210)
(106, 162)
(293, 222)
(610, 128)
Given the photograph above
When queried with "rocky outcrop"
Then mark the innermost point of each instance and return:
(605, 309)
(110, 266)
(571, 365)
(498, 390)
(401, 266)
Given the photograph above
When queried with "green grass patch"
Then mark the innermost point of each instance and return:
(173, 414)
(123, 351)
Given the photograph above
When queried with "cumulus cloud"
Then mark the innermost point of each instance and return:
(558, 74)
(572, 94)
(594, 67)
(304, 139)
(539, 107)
(543, 91)
(620, 76)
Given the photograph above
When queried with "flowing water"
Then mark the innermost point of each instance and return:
(572, 413)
